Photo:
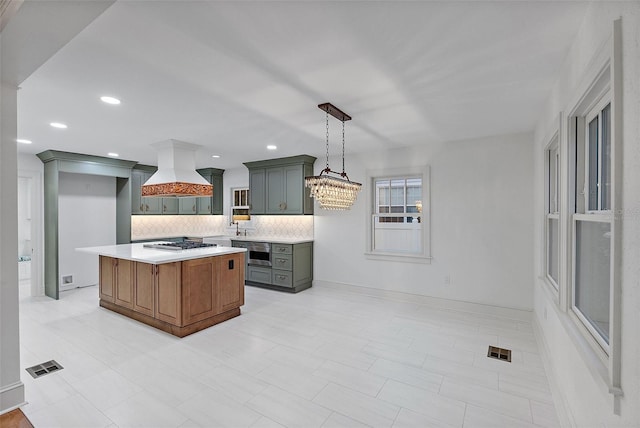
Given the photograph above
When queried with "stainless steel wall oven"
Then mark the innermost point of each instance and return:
(259, 253)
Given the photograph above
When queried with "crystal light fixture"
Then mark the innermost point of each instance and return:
(333, 193)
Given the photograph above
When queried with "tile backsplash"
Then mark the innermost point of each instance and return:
(165, 226)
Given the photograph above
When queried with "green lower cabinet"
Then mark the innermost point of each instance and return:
(291, 267)
(258, 274)
(281, 278)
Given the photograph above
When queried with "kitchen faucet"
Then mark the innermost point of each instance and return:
(237, 223)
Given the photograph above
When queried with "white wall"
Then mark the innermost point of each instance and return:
(11, 388)
(87, 217)
(481, 229)
(583, 394)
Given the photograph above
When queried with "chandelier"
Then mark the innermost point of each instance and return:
(333, 193)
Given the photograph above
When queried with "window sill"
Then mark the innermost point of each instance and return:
(595, 363)
(393, 257)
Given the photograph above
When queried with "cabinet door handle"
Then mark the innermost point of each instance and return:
(146, 207)
(193, 208)
(164, 208)
(141, 207)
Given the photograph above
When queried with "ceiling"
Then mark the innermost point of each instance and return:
(234, 77)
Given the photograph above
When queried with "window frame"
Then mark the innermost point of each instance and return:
(596, 111)
(552, 187)
(581, 212)
(603, 78)
(422, 172)
(246, 224)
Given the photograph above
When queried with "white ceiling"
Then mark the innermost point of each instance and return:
(236, 76)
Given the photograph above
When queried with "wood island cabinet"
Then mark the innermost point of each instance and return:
(144, 291)
(116, 283)
(231, 284)
(178, 297)
(168, 292)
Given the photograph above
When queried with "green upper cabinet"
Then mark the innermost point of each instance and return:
(139, 205)
(188, 205)
(183, 206)
(170, 205)
(257, 191)
(276, 186)
(212, 205)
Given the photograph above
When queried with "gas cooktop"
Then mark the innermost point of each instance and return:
(178, 246)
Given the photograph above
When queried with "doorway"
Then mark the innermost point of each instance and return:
(29, 234)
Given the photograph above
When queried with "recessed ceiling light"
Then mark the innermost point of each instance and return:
(110, 100)
(215, 156)
(113, 155)
(271, 147)
(58, 125)
(23, 141)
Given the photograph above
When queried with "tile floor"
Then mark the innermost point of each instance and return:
(321, 358)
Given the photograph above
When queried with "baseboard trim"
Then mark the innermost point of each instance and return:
(12, 397)
(436, 302)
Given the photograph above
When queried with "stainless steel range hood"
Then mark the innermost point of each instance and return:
(176, 175)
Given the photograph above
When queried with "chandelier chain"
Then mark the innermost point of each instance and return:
(327, 121)
(343, 147)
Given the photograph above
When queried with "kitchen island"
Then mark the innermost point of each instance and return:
(180, 292)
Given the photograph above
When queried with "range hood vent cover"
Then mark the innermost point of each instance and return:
(176, 175)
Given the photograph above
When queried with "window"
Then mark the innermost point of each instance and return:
(399, 217)
(552, 216)
(598, 152)
(240, 206)
(592, 222)
(591, 229)
(240, 197)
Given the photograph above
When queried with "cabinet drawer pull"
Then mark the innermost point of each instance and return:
(282, 277)
(281, 261)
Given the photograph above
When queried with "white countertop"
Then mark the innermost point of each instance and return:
(138, 253)
(273, 240)
(251, 238)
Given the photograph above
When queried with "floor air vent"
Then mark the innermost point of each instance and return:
(499, 353)
(44, 368)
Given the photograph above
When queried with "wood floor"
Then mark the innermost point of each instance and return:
(15, 419)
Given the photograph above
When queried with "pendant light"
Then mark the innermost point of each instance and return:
(333, 193)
